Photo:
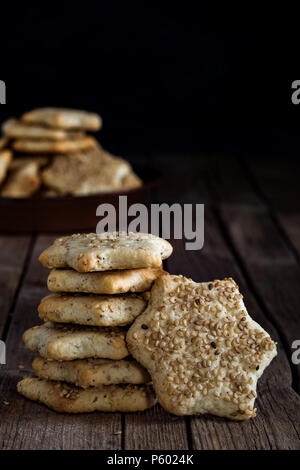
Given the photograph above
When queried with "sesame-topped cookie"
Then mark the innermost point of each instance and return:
(201, 348)
(92, 310)
(91, 372)
(65, 398)
(107, 251)
(5, 159)
(110, 282)
(89, 172)
(14, 129)
(23, 182)
(3, 142)
(68, 145)
(66, 342)
(63, 118)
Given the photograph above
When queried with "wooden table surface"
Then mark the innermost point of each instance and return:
(252, 233)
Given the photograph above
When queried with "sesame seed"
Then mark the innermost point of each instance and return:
(201, 336)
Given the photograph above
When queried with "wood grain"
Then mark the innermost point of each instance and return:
(265, 237)
(13, 252)
(277, 180)
(272, 268)
(28, 425)
(155, 429)
(230, 183)
(186, 179)
(251, 235)
(290, 223)
(265, 432)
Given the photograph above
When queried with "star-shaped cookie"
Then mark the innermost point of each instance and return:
(201, 348)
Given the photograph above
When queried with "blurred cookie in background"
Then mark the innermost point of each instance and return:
(91, 172)
(64, 118)
(47, 153)
(22, 182)
(5, 160)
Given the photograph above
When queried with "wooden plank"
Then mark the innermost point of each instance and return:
(185, 179)
(224, 186)
(277, 422)
(277, 180)
(25, 316)
(13, 252)
(290, 223)
(273, 181)
(272, 268)
(28, 425)
(155, 429)
(230, 183)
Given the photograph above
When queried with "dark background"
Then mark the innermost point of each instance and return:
(163, 78)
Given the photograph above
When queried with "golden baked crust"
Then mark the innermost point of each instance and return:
(17, 163)
(93, 310)
(64, 118)
(201, 348)
(23, 182)
(91, 372)
(53, 146)
(108, 282)
(65, 398)
(3, 142)
(14, 129)
(90, 172)
(108, 251)
(64, 342)
(5, 159)
(131, 181)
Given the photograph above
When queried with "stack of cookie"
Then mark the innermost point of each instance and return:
(54, 155)
(100, 286)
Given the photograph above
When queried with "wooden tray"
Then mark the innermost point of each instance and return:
(63, 214)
